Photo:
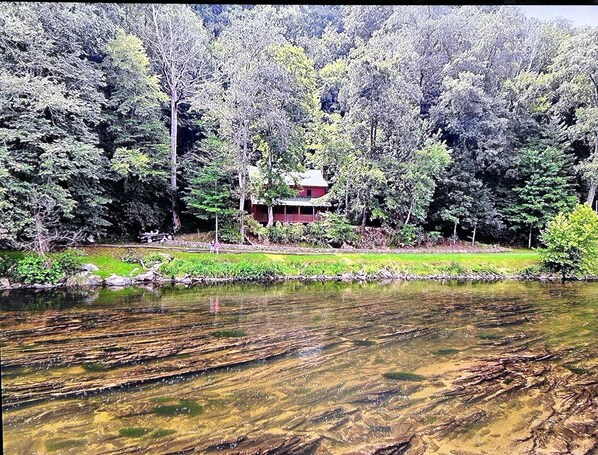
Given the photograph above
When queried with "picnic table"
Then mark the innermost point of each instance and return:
(155, 236)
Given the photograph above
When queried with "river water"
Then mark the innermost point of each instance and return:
(325, 368)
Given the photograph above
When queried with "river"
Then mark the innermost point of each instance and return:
(300, 368)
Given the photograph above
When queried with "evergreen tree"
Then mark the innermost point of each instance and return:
(544, 189)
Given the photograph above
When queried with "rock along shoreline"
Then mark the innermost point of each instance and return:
(88, 280)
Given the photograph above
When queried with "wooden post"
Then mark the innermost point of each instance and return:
(313, 214)
(285, 213)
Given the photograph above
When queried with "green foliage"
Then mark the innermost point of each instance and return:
(337, 230)
(229, 233)
(333, 230)
(36, 269)
(544, 188)
(208, 193)
(255, 228)
(8, 264)
(286, 233)
(407, 235)
(571, 241)
(33, 269)
(68, 262)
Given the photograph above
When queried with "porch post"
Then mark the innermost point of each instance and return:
(313, 213)
(285, 213)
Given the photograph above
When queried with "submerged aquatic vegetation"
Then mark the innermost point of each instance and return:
(188, 407)
(403, 376)
(94, 366)
(229, 333)
(445, 351)
(364, 343)
(489, 336)
(161, 432)
(54, 445)
(133, 432)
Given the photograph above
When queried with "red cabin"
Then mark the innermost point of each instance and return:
(303, 208)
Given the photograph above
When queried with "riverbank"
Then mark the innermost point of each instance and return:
(113, 266)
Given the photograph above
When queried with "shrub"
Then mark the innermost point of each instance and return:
(571, 241)
(36, 269)
(315, 234)
(408, 235)
(153, 257)
(455, 268)
(68, 262)
(433, 237)
(8, 264)
(286, 232)
(337, 230)
(229, 233)
(255, 228)
(131, 257)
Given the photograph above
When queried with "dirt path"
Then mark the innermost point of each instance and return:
(199, 247)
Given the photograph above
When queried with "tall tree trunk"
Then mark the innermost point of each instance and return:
(216, 236)
(242, 178)
(176, 222)
(529, 239)
(410, 210)
(592, 193)
(270, 216)
(243, 184)
(364, 212)
(475, 227)
(347, 198)
(269, 185)
(455, 232)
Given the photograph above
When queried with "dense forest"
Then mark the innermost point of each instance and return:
(117, 118)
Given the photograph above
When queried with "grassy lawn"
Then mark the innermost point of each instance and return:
(108, 259)
(243, 265)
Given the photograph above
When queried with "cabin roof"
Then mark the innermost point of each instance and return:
(311, 177)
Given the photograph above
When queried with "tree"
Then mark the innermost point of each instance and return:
(284, 119)
(544, 189)
(420, 175)
(575, 72)
(135, 138)
(51, 98)
(209, 184)
(179, 46)
(571, 241)
(245, 54)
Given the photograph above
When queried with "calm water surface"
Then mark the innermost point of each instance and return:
(418, 367)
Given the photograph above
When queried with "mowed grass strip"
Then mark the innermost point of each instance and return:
(258, 265)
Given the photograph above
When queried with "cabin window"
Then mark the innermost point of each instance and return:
(278, 209)
(307, 210)
(308, 192)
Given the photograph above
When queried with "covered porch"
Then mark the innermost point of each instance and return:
(287, 213)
